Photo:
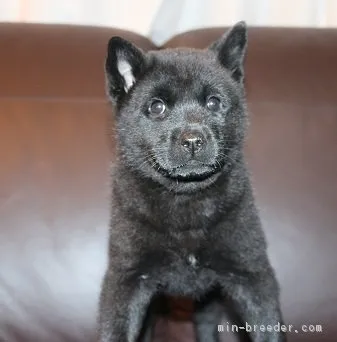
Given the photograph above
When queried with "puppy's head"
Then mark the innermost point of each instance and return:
(180, 113)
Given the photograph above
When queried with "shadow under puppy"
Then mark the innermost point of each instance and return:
(183, 218)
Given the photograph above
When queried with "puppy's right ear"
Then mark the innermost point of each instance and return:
(123, 65)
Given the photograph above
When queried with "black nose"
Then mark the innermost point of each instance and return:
(192, 141)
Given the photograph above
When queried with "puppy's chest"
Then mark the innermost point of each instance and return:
(189, 240)
(189, 251)
(183, 216)
(186, 265)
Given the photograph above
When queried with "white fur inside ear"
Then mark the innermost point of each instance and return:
(124, 68)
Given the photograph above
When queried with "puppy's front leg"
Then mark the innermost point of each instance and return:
(255, 298)
(123, 307)
(206, 319)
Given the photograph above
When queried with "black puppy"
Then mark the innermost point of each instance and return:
(183, 219)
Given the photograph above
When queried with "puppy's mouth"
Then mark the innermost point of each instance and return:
(192, 171)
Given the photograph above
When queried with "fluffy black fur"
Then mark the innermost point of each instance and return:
(183, 218)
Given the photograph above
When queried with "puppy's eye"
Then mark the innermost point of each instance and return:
(213, 103)
(157, 107)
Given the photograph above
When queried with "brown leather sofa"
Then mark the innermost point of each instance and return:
(55, 147)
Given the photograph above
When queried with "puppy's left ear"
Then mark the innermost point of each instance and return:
(123, 66)
(231, 50)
